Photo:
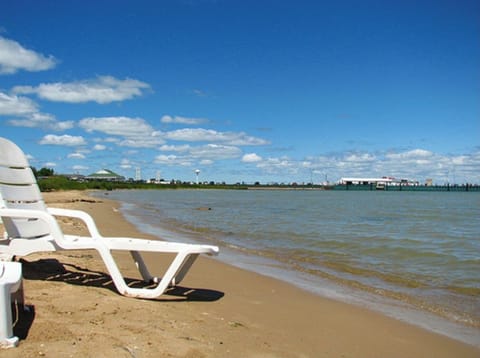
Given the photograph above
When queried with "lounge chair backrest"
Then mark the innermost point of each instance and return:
(19, 190)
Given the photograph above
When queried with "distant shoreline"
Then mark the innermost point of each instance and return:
(372, 187)
(60, 183)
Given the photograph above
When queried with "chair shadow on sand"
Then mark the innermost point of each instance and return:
(54, 270)
(22, 318)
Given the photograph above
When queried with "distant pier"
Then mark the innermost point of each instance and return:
(375, 187)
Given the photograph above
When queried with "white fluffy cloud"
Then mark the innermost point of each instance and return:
(251, 158)
(76, 155)
(360, 158)
(41, 120)
(65, 140)
(210, 135)
(126, 164)
(182, 120)
(281, 166)
(16, 106)
(175, 148)
(136, 132)
(103, 89)
(79, 167)
(119, 126)
(99, 147)
(411, 154)
(15, 57)
(27, 114)
(173, 160)
(215, 152)
(133, 132)
(416, 164)
(204, 154)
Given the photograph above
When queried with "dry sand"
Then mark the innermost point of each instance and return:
(219, 311)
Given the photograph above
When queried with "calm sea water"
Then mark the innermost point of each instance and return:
(415, 255)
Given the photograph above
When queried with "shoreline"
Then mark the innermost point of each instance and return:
(425, 313)
(225, 310)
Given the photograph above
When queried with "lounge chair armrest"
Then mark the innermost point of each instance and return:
(77, 214)
(35, 214)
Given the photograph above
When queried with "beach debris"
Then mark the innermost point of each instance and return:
(130, 350)
(187, 338)
(89, 201)
(235, 324)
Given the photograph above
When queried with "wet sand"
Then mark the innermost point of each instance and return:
(218, 310)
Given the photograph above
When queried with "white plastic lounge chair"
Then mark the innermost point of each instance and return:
(10, 280)
(32, 227)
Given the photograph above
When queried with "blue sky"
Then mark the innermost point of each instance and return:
(269, 91)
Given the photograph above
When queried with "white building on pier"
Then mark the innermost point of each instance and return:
(377, 181)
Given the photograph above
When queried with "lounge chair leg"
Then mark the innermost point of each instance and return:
(184, 269)
(11, 277)
(147, 277)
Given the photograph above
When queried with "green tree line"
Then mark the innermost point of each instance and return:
(48, 180)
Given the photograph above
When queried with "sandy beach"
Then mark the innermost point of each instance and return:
(218, 311)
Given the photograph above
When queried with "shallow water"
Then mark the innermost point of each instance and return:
(415, 250)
